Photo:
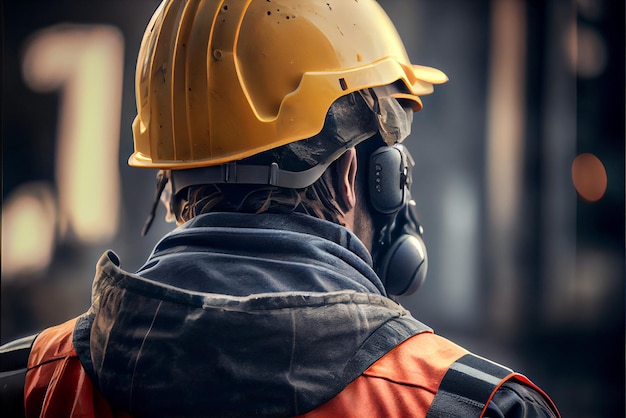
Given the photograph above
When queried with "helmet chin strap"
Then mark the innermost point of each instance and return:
(161, 180)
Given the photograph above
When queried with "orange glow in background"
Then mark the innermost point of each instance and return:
(589, 177)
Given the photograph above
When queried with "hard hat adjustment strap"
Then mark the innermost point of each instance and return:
(234, 173)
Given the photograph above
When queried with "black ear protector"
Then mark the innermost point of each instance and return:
(389, 178)
(400, 257)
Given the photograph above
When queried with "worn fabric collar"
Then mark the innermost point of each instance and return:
(186, 336)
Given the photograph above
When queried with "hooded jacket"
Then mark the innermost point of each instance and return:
(252, 315)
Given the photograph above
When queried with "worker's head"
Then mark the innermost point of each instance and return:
(258, 106)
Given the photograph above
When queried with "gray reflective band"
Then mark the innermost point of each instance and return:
(21, 344)
(476, 374)
(467, 387)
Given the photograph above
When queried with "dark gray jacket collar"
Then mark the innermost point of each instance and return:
(238, 315)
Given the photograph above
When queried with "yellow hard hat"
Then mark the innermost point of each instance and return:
(221, 80)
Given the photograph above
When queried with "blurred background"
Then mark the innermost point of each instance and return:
(519, 176)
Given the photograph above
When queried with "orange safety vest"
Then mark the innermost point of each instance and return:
(56, 383)
(425, 376)
(408, 381)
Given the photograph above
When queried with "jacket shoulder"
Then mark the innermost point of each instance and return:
(430, 376)
(52, 344)
(402, 383)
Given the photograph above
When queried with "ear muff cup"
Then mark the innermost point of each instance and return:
(388, 179)
(404, 266)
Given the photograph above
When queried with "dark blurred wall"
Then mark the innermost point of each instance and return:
(523, 269)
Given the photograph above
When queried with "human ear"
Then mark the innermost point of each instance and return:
(346, 176)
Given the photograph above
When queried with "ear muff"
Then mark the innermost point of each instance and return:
(400, 254)
(388, 179)
(404, 264)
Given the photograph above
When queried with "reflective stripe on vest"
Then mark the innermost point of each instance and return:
(467, 387)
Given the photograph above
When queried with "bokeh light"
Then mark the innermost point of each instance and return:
(589, 177)
(28, 230)
(85, 63)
